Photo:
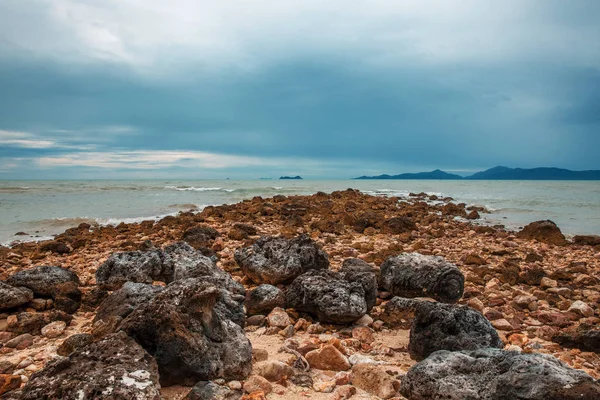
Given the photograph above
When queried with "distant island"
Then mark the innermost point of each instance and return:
(503, 173)
(290, 177)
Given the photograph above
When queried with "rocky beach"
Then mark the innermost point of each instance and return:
(323, 296)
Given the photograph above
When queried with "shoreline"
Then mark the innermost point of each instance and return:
(351, 224)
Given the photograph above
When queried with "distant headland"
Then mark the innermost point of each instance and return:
(502, 173)
(290, 177)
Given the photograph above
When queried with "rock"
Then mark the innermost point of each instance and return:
(278, 260)
(200, 236)
(193, 328)
(131, 266)
(54, 329)
(11, 297)
(6, 367)
(55, 247)
(374, 380)
(20, 342)
(587, 240)
(257, 383)
(273, 371)
(399, 312)
(40, 304)
(9, 382)
(546, 283)
(365, 320)
(496, 374)
(439, 326)
(474, 259)
(324, 387)
(358, 265)
(398, 225)
(116, 367)
(584, 338)
(123, 301)
(344, 392)
(44, 280)
(328, 358)
(364, 334)
(74, 343)
(263, 299)
(581, 308)
(502, 325)
(328, 296)
(543, 231)
(67, 297)
(473, 215)
(279, 318)
(33, 323)
(367, 279)
(204, 390)
(259, 354)
(417, 275)
(255, 320)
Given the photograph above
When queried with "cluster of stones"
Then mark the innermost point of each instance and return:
(169, 316)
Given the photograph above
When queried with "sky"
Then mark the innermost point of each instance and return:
(324, 89)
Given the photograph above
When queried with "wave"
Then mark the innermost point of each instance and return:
(198, 189)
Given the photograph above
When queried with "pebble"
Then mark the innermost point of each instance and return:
(20, 342)
(328, 358)
(257, 383)
(279, 318)
(54, 329)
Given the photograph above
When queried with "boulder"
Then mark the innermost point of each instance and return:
(263, 299)
(27, 322)
(131, 266)
(417, 275)
(11, 297)
(449, 327)
(328, 296)
(204, 390)
(193, 328)
(74, 343)
(367, 279)
(200, 236)
(543, 231)
(44, 281)
(116, 367)
(494, 374)
(585, 338)
(122, 302)
(278, 260)
(587, 240)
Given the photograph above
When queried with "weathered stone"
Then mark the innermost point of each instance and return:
(328, 296)
(273, 371)
(43, 280)
(54, 329)
(200, 236)
(193, 328)
(496, 374)
(115, 367)
(417, 275)
(587, 240)
(398, 225)
(364, 334)
(20, 342)
(439, 326)
(263, 299)
(257, 383)
(581, 308)
(9, 382)
(543, 231)
(204, 390)
(11, 297)
(74, 343)
(55, 247)
(584, 337)
(131, 266)
(367, 279)
(328, 358)
(255, 320)
(374, 380)
(399, 312)
(278, 260)
(279, 318)
(33, 323)
(122, 302)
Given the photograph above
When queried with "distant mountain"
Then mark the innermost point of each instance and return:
(503, 173)
(437, 174)
(290, 177)
(506, 173)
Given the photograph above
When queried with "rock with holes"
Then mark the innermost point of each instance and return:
(122, 302)
(543, 231)
(279, 260)
(494, 374)
(132, 266)
(263, 299)
(11, 297)
(113, 368)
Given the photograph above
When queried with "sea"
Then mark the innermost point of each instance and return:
(41, 209)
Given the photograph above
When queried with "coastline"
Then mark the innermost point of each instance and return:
(348, 224)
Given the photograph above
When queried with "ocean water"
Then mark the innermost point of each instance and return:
(45, 208)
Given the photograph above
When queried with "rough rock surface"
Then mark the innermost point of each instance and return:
(115, 367)
(11, 297)
(399, 312)
(375, 380)
(28, 322)
(328, 296)
(122, 302)
(450, 327)
(278, 260)
(584, 338)
(543, 231)
(352, 272)
(194, 330)
(417, 275)
(43, 280)
(493, 374)
(131, 266)
(263, 299)
(74, 343)
(206, 390)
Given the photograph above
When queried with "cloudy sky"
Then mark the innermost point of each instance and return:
(325, 89)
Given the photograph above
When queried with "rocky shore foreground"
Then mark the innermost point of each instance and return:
(328, 296)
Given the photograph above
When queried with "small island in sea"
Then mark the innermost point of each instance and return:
(502, 173)
(290, 177)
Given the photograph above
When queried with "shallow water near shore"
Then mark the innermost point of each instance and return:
(44, 208)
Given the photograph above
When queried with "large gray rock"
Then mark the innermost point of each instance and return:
(193, 328)
(131, 266)
(493, 374)
(418, 275)
(438, 326)
(114, 368)
(122, 302)
(328, 296)
(11, 297)
(279, 260)
(263, 299)
(368, 280)
(44, 280)
(204, 390)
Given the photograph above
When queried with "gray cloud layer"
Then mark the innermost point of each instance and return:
(117, 88)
